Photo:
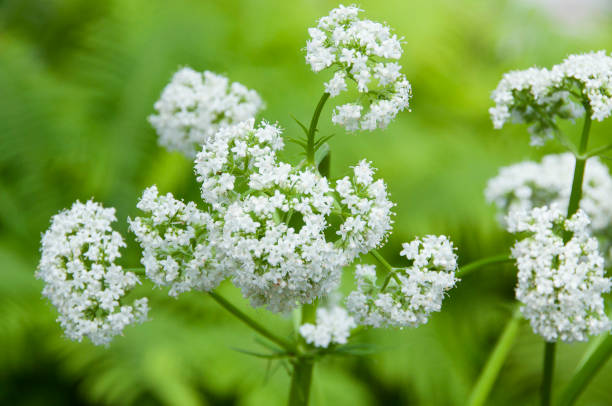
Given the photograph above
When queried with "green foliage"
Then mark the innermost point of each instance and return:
(79, 78)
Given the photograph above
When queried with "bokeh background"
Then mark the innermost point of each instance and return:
(78, 79)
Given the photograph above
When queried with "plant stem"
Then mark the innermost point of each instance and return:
(586, 371)
(310, 150)
(496, 360)
(547, 375)
(300, 382)
(252, 323)
(301, 377)
(381, 260)
(576, 195)
(599, 150)
(472, 266)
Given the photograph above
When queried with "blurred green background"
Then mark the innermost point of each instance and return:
(78, 79)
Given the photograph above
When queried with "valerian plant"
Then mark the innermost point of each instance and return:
(284, 233)
(560, 207)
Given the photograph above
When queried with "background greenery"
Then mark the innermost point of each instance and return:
(77, 81)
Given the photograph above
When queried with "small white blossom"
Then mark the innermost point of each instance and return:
(560, 282)
(361, 50)
(537, 96)
(194, 105)
(333, 327)
(411, 293)
(81, 278)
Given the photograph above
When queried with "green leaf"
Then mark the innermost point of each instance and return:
(300, 124)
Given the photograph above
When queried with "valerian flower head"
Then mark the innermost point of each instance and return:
(81, 278)
(194, 105)
(177, 243)
(523, 186)
(561, 276)
(333, 327)
(538, 96)
(411, 293)
(274, 219)
(365, 53)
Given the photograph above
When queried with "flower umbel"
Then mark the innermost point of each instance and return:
(177, 240)
(81, 278)
(560, 281)
(363, 52)
(194, 105)
(538, 96)
(411, 293)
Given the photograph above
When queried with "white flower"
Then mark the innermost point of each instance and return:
(560, 282)
(177, 240)
(194, 105)
(411, 294)
(537, 96)
(333, 327)
(360, 50)
(81, 278)
(530, 184)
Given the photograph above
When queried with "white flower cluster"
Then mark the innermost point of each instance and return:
(523, 186)
(367, 216)
(412, 293)
(268, 223)
(81, 278)
(536, 96)
(559, 283)
(175, 238)
(360, 50)
(194, 105)
(333, 327)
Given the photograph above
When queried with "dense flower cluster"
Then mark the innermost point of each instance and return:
(536, 96)
(560, 281)
(333, 327)
(176, 242)
(267, 226)
(366, 53)
(529, 184)
(194, 105)
(367, 210)
(81, 278)
(411, 293)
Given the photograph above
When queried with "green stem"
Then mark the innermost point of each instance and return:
(301, 376)
(496, 360)
(586, 371)
(576, 195)
(599, 150)
(391, 271)
(252, 323)
(547, 375)
(300, 382)
(310, 150)
(381, 260)
(472, 266)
